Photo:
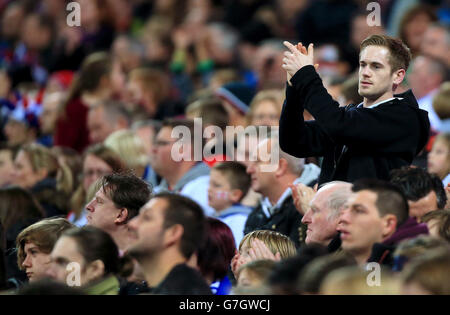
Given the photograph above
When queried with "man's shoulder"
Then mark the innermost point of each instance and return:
(183, 280)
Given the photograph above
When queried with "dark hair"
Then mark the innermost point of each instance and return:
(126, 190)
(211, 110)
(18, 205)
(94, 243)
(400, 55)
(93, 68)
(283, 279)
(113, 110)
(416, 183)
(217, 251)
(186, 212)
(442, 217)
(315, 272)
(390, 198)
(236, 174)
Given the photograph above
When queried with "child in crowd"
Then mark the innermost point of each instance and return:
(228, 184)
(439, 158)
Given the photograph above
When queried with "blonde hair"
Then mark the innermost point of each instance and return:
(274, 96)
(41, 157)
(276, 242)
(354, 281)
(129, 147)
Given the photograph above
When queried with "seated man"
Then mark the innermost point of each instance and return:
(374, 212)
(167, 231)
(180, 174)
(276, 211)
(116, 202)
(323, 215)
(424, 191)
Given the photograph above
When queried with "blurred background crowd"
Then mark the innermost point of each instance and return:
(78, 103)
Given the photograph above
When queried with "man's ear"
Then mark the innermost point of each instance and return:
(173, 234)
(95, 270)
(399, 75)
(282, 167)
(122, 216)
(389, 225)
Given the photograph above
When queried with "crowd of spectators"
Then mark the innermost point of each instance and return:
(95, 199)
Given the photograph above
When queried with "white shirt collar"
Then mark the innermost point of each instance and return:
(379, 103)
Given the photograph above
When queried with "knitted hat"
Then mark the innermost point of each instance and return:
(237, 94)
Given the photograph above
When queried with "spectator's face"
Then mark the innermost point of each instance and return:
(375, 78)
(102, 213)
(262, 182)
(147, 135)
(49, 114)
(439, 159)
(93, 169)
(421, 80)
(24, 175)
(161, 160)
(16, 132)
(11, 22)
(415, 30)
(34, 35)
(422, 206)
(147, 229)
(434, 43)
(66, 260)
(6, 168)
(360, 224)
(320, 220)
(265, 114)
(219, 191)
(99, 128)
(36, 262)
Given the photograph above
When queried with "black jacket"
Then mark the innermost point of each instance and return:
(356, 142)
(286, 220)
(182, 280)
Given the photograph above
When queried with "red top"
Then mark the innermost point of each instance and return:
(71, 129)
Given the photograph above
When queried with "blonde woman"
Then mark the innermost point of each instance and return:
(130, 149)
(37, 169)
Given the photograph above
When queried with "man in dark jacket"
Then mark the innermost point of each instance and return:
(384, 132)
(276, 211)
(375, 219)
(168, 230)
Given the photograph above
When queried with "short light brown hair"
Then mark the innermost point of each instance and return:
(399, 53)
(236, 175)
(43, 234)
(275, 241)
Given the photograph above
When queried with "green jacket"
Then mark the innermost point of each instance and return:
(107, 286)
